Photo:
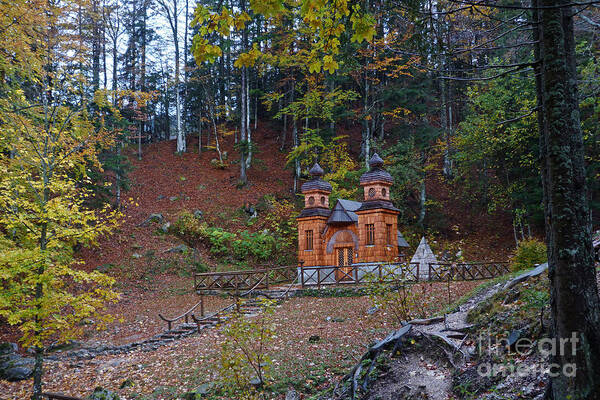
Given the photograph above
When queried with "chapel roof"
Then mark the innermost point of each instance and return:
(316, 183)
(343, 212)
(376, 171)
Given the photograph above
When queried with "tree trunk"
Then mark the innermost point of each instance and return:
(248, 131)
(366, 136)
(180, 134)
(243, 135)
(200, 129)
(284, 128)
(296, 161)
(573, 291)
(118, 179)
(422, 202)
(114, 73)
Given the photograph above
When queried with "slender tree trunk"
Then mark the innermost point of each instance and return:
(181, 145)
(200, 129)
(366, 139)
(118, 179)
(573, 291)
(114, 73)
(331, 90)
(185, 67)
(284, 128)
(422, 196)
(104, 40)
(296, 161)
(243, 134)
(248, 131)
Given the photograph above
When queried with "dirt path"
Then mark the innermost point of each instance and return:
(424, 370)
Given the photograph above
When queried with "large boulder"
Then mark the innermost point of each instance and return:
(200, 393)
(103, 394)
(156, 217)
(8, 348)
(292, 395)
(13, 367)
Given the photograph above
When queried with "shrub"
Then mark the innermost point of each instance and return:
(404, 302)
(261, 246)
(218, 239)
(529, 253)
(266, 246)
(217, 164)
(188, 227)
(244, 356)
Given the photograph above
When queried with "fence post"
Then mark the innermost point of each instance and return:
(202, 305)
(318, 278)
(429, 277)
(267, 278)
(418, 270)
(380, 273)
(302, 276)
(237, 294)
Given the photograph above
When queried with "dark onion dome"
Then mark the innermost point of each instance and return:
(316, 170)
(375, 161)
(376, 172)
(316, 183)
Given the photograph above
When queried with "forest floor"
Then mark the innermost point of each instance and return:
(151, 280)
(342, 326)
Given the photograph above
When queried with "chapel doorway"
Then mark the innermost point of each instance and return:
(345, 256)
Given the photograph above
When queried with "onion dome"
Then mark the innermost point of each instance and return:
(316, 183)
(316, 170)
(376, 172)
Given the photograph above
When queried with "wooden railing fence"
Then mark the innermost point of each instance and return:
(400, 273)
(244, 281)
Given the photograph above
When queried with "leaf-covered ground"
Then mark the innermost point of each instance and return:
(153, 281)
(342, 324)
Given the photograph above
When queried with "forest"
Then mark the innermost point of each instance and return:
(493, 103)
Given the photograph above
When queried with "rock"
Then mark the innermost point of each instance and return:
(160, 197)
(199, 393)
(136, 255)
(204, 389)
(256, 382)
(16, 374)
(165, 227)
(198, 214)
(372, 310)
(156, 217)
(292, 395)
(182, 248)
(173, 198)
(513, 337)
(103, 394)
(526, 275)
(8, 348)
(250, 210)
(13, 367)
